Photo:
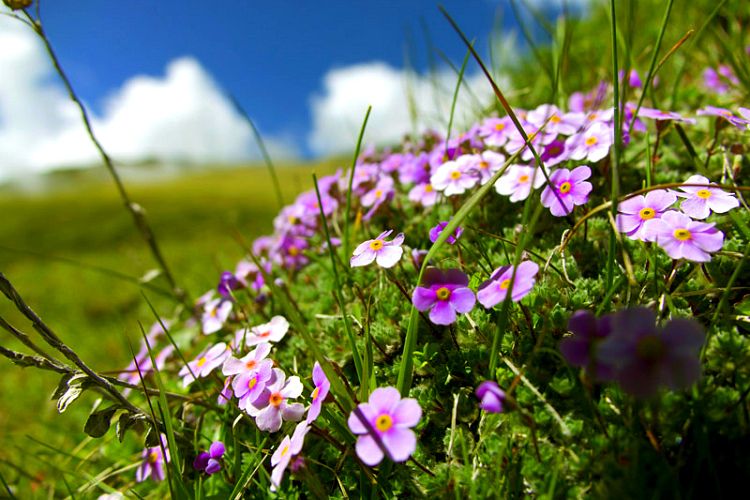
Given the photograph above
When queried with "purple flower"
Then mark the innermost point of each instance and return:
(385, 253)
(719, 81)
(437, 230)
(682, 237)
(444, 293)
(700, 201)
(153, 462)
(645, 357)
(388, 423)
(518, 181)
(226, 393)
(287, 449)
(494, 290)
(571, 189)
(580, 349)
(271, 407)
(491, 396)
(591, 144)
(319, 393)
(210, 462)
(634, 212)
(215, 313)
(206, 362)
(227, 284)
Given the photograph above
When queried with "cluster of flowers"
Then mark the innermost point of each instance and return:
(629, 347)
(648, 218)
(426, 172)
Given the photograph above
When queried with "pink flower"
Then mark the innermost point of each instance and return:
(700, 201)
(494, 290)
(206, 362)
(591, 144)
(491, 396)
(454, 177)
(485, 164)
(319, 393)
(518, 181)
(250, 362)
(271, 407)
(635, 211)
(385, 253)
(383, 425)
(273, 331)
(153, 462)
(215, 314)
(424, 194)
(287, 449)
(682, 237)
(249, 385)
(571, 189)
(495, 131)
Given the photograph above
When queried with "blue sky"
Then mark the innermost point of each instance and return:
(294, 65)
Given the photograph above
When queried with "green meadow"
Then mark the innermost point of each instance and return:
(70, 249)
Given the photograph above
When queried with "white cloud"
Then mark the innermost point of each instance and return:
(338, 111)
(181, 116)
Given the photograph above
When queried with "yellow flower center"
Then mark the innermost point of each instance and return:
(292, 219)
(378, 193)
(500, 127)
(703, 193)
(293, 251)
(251, 383)
(443, 293)
(285, 450)
(153, 457)
(315, 393)
(504, 284)
(455, 175)
(428, 188)
(376, 245)
(554, 119)
(523, 179)
(565, 187)
(202, 361)
(383, 423)
(592, 117)
(647, 213)
(275, 399)
(214, 312)
(682, 234)
(590, 141)
(484, 165)
(251, 364)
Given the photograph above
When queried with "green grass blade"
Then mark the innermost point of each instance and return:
(337, 291)
(455, 97)
(347, 212)
(263, 150)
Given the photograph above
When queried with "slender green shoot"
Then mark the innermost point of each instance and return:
(615, 193)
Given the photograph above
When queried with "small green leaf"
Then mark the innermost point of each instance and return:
(98, 422)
